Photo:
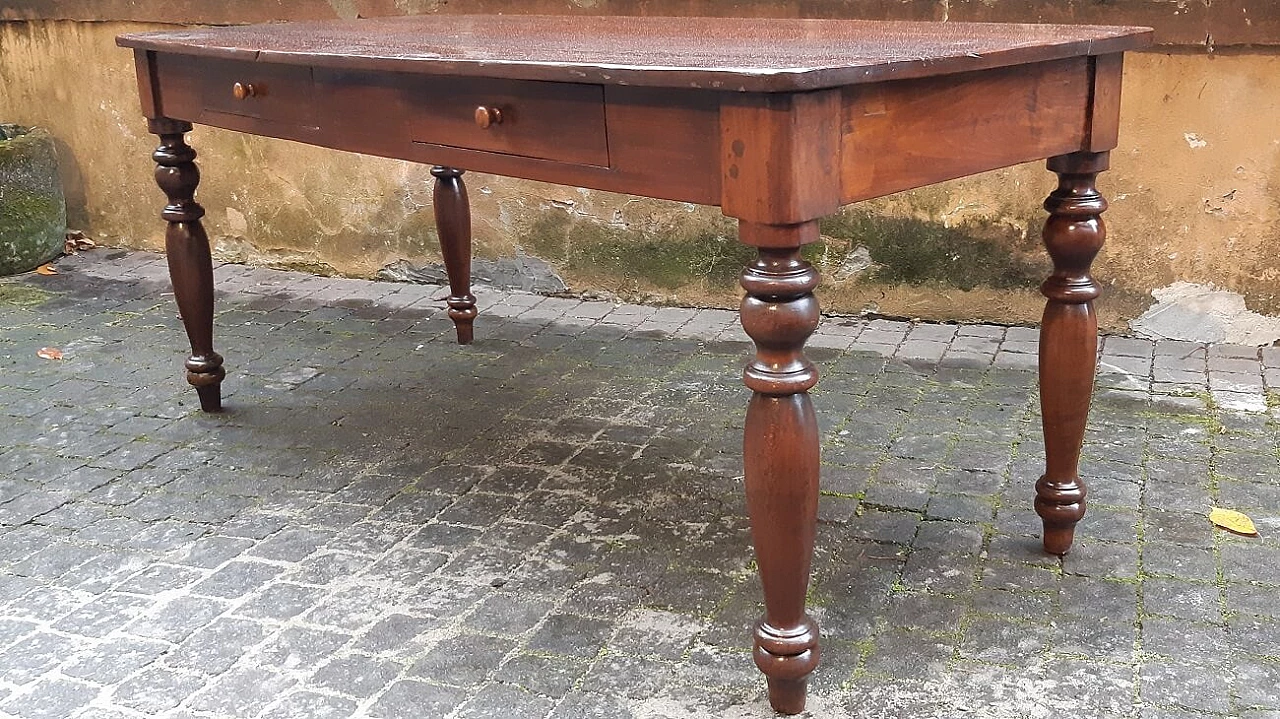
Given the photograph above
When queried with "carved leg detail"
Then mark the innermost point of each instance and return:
(780, 450)
(1073, 235)
(453, 222)
(187, 249)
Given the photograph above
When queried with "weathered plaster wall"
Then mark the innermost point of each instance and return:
(1195, 189)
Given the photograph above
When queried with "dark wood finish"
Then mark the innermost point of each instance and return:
(733, 54)
(781, 156)
(453, 224)
(884, 137)
(144, 65)
(560, 121)
(649, 141)
(1073, 235)
(187, 250)
(1104, 105)
(780, 452)
(915, 133)
(777, 122)
(280, 93)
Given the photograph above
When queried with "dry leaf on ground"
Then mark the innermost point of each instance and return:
(49, 353)
(76, 241)
(46, 270)
(1233, 521)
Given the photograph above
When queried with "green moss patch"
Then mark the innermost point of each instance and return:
(21, 295)
(918, 252)
(33, 215)
(666, 257)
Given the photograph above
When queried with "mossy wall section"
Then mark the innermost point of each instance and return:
(33, 210)
(1194, 192)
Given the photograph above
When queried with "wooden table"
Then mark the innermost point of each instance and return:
(778, 122)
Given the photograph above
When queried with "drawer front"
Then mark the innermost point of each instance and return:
(280, 93)
(543, 120)
(274, 93)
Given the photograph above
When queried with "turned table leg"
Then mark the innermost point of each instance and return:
(187, 250)
(780, 450)
(453, 223)
(1073, 234)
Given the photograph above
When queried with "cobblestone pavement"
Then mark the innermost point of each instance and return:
(550, 523)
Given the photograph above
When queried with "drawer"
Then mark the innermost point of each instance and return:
(280, 93)
(543, 120)
(264, 91)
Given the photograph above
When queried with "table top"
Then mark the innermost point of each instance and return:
(735, 54)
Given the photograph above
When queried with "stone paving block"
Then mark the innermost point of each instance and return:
(113, 660)
(410, 697)
(236, 578)
(1004, 640)
(213, 649)
(313, 705)
(545, 675)
(177, 618)
(921, 350)
(932, 332)
(102, 615)
(34, 655)
(1128, 347)
(244, 691)
(498, 701)
(155, 689)
(1256, 682)
(356, 675)
(463, 660)
(570, 635)
(51, 698)
(592, 706)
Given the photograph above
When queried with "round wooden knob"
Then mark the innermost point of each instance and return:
(244, 90)
(486, 117)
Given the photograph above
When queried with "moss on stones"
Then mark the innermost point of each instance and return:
(905, 251)
(33, 211)
(917, 252)
(20, 295)
(667, 258)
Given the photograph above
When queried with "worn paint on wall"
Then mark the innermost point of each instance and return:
(1197, 180)
(1195, 196)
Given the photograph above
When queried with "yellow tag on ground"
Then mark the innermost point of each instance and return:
(1233, 521)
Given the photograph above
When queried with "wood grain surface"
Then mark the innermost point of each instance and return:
(734, 54)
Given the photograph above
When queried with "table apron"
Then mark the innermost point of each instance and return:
(902, 135)
(655, 142)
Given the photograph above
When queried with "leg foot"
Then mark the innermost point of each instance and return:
(787, 657)
(187, 251)
(453, 222)
(464, 322)
(1073, 235)
(787, 696)
(1057, 540)
(210, 398)
(780, 451)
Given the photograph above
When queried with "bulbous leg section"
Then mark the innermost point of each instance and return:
(453, 222)
(1073, 236)
(787, 657)
(780, 451)
(189, 258)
